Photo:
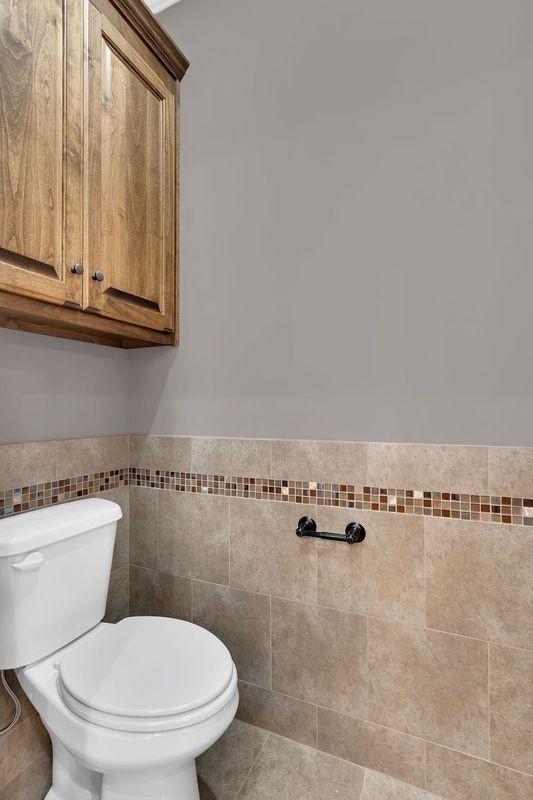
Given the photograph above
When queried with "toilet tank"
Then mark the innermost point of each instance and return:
(54, 576)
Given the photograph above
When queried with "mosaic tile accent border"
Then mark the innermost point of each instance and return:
(41, 495)
(452, 505)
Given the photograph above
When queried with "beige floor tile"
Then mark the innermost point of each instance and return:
(457, 776)
(143, 527)
(326, 462)
(428, 467)
(118, 598)
(242, 621)
(158, 594)
(382, 576)
(286, 770)
(24, 744)
(429, 684)
(161, 452)
(266, 554)
(32, 784)
(193, 535)
(319, 655)
(278, 713)
(382, 787)
(231, 457)
(480, 580)
(511, 471)
(511, 707)
(224, 767)
(372, 746)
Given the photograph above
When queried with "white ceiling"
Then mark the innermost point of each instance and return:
(159, 5)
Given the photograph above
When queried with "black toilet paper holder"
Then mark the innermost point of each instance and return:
(353, 534)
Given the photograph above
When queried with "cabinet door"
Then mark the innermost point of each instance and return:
(41, 46)
(131, 182)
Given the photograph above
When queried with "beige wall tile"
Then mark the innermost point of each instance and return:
(278, 713)
(3, 762)
(121, 553)
(382, 787)
(118, 595)
(372, 746)
(32, 783)
(26, 464)
(457, 776)
(96, 454)
(511, 707)
(24, 744)
(247, 457)
(428, 466)
(242, 621)
(382, 576)
(429, 684)
(266, 554)
(285, 769)
(156, 594)
(319, 655)
(161, 452)
(326, 462)
(480, 580)
(511, 471)
(193, 535)
(226, 764)
(143, 527)
(6, 704)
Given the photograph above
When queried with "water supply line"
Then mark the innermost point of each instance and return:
(16, 703)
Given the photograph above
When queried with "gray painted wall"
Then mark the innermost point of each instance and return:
(357, 226)
(357, 238)
(54, 389)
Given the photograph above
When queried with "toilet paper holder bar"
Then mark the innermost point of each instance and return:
(353, 534)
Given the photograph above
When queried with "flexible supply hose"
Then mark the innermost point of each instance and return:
(16, 702)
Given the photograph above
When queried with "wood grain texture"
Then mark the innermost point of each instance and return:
(146, 25)
(36, 316)
(131, 182)
(31, 147)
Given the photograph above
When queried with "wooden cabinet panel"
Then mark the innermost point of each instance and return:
(39, 150)
(131, 182)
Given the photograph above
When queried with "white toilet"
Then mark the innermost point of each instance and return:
(128, 706)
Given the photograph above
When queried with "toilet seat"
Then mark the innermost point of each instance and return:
(147, 674)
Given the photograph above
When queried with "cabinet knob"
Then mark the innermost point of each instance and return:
(77, 269)
(98, 276)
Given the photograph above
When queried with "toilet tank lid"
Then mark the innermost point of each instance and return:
(44, 526)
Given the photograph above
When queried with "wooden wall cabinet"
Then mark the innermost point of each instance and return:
(89, 99)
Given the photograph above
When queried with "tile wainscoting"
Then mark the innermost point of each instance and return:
(410, 654)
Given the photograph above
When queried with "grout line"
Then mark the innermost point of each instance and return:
(489, 720)
(241, 787)
(229, 541)
(270, 635)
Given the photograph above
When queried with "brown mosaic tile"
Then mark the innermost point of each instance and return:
(505, 510)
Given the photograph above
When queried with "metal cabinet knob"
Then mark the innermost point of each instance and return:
(77, 269)
(98, 276)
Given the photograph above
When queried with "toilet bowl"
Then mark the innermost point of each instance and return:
(128, 706)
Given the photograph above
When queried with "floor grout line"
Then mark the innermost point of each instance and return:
(241, 787)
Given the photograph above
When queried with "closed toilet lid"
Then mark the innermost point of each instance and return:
(147, 667)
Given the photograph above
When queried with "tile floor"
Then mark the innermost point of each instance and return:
(249, 763)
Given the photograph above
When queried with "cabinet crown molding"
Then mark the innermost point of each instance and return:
(139, 16)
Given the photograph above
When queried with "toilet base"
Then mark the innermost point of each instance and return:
(73, 781)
